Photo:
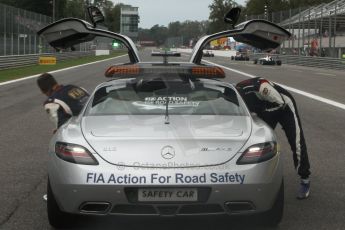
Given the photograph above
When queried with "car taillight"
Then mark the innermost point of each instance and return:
(258, 153)
(74, 153)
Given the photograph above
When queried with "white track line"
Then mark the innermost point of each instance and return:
(306, 94)
(299, 71)
(327, 74)
(59, 70)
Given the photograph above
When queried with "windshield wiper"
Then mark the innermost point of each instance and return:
(167, 112)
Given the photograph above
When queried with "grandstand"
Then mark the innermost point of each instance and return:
(320, 28)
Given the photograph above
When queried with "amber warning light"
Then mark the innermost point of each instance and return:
(195, 71)
(122, 70)
(208, 72)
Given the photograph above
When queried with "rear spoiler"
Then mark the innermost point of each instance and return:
(166, 54)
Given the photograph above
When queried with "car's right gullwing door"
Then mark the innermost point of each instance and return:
(260, 34)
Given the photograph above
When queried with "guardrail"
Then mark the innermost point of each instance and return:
(319, 62)
(7, 62)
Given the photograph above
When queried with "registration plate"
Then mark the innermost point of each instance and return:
(168, 195)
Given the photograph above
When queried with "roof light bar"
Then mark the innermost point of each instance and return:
(194, 71)
(122, 70)
(208, 71)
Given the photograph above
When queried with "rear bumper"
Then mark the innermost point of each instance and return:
(231, 200)
(75, 193)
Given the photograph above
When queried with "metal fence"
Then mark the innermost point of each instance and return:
(18, 30)
(316, 31)
(14, 61)
(18, 33)
(310, 61)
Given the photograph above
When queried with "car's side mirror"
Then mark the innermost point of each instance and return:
(95, 14)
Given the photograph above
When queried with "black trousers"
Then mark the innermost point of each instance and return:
(288, 118)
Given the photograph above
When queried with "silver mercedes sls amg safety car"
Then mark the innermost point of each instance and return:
(164, 139)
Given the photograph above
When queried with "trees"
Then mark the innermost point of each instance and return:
(190, 30)
(73, 9)
(174, 29)
(159, 33)
(112, 17)
(187, 30)
(38, 6)
(293, 4)
(9, 2)
(63, 8)
(60, 7)
(217, 11)
(255, 7)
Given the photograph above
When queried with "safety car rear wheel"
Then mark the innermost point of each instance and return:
(56, 217)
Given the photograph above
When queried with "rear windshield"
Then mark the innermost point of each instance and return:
(158, 96)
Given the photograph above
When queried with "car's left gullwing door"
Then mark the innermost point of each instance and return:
(68, 32)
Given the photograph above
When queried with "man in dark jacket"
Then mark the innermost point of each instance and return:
(63, 102)
(273, 104)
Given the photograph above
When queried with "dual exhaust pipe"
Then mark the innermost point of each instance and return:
(95, 207)
(102, 208)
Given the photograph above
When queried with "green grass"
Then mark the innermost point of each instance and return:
(10, 74)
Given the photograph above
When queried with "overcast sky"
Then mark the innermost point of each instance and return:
(163, 12)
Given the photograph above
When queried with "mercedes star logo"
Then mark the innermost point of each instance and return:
(168, 152)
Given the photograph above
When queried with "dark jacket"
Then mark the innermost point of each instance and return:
(65, 102)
